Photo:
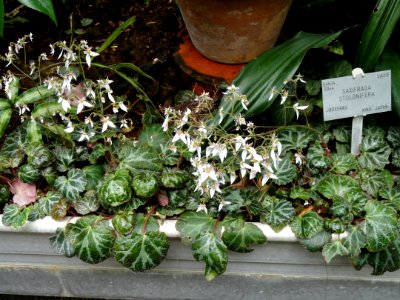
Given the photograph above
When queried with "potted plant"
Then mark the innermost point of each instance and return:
(234, 31)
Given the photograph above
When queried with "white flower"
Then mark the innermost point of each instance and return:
(214, 187)
(85, 136)
(106, 123)
(82, 104)
(299, 77)
(239, 142)
(217, 149)
(299, 158)
(272, 94)
(206, 171)
(244, 101)
(222, 203)
(296, 108)
(180, 135)
(165, 123)
(109, 94)
(284, 95)
(221, 115)
(70, 128)
(64, 103)
(124, 124)
(232, 177)
(89, 54)
(88, 120)
(202, 207)
(267, 175)
(43, 56)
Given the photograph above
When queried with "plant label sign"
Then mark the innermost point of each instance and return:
(351, 96)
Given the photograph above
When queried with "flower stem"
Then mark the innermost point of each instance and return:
(147, 217)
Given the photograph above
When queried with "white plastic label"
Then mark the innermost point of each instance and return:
(347, 96)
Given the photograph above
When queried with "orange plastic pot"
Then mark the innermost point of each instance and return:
(233, 31)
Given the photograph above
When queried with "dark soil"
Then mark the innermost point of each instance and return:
(150, 43)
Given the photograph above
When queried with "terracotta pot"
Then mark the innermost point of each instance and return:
(233, 31)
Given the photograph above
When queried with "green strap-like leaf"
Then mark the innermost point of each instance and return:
(209, 247)
(377, 32)
(241, 239)
(92, 239)
(270, 70)
(380, 225)
(140, 252)
(61, 243)
(43, 6)
(116, 33)
(307, 225)
(333, 249)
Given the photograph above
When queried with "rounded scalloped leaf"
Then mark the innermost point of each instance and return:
(381, 225)
(240, 239)
(28, 173)
(317, 241)
(62, 245)
(15, 216)
(93, 175)
(114, 191)
(191, 224)
(374, 153)
(5, 194)
(343, 163)
(307, 225)
(277, 213)
(40, 156)
(295, 138)
(72, 185)
(88, 203)
(145, 185)
(124, 221)
(174, 178)
(387, 259)
(284, 170)
(153, 136)
(140, 252)
(373, 181)
(92, 239)
(330, 250)
(333, 185)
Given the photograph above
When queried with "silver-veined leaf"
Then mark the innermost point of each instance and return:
(62, 245)
(277, 213)
(285, 170)
(139, 158)
(240, 239)
(316, 157)
(140, 252)
(93, 175)
(92, 239)
(355, 241)
(64, 158)
(343, 163)
(374, 181)
(209, 247)
(333, 249)
(307, 225)
(374, 153)
(387, 259)
(72, 185)
(333, 185)
(12, 152)
(46, 203)
(393, 196)
(317, 241)
(191, 224)
(342, 134)
(15, 216)
(295, 138)
(380, 225)
(88, 203)
(393, 136)
(174, 178)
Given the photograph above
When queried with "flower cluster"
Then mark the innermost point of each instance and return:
(88, 108)
(220, 159)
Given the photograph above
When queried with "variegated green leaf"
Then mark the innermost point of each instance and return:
(295, 138)
(393, 196)
(342, 134)
(15, 216)
(380, 226)
(46, 203)
(374, 131)
(153, 136)
(139, 158)
(307, 225)
(352, 203)
(333, 249)
(374, 153)
(62, 245)
(316, 157)
(59, 210)
(317, 241)
(385, 260)
(124, 221)
(140, 252)
(393, 136)
(240, 239)
(12, 153)
(174, 178)
(355, 241)
(88, 203)
(277, 213)
(150, 223)
(343, 163)
(209, 247)
(298, 192)
(191, 224)
(92, 239)
(64, 158)
(396, 157)
(72, 185)
(374, 181)
(333, 185)
(285, 170)
(93, 175)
